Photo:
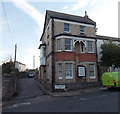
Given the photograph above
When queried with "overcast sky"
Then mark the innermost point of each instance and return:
(26, 20)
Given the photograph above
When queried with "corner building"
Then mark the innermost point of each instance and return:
(68, 52)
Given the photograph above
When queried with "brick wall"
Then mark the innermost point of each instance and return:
(71, 56)
(74, 29)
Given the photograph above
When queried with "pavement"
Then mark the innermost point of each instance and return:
(71, 92)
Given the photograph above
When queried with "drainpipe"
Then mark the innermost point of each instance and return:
(53, 56)
(97, 61)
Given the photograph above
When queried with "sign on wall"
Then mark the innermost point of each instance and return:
(81, 71)
(59, 86)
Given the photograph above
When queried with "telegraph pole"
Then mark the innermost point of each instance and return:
(15, 53)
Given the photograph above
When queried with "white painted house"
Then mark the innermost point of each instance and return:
(21, 67)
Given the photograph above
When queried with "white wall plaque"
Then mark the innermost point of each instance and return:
(81, 71)
(59, 86)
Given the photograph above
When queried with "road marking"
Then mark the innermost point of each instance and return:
(20, 104)
(83, 99)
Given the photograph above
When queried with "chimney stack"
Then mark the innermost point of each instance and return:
(86, 16)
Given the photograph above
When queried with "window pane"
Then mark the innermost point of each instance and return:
(66, 27)
(68, 44)
(82, 29)
(68, 66)
(60, 71)
(82, 47)
(67, 41)
(60, 44)
(68, 70)
(90, 46)
(91, 70)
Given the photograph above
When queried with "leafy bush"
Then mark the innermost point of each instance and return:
(110, 55)
(8, 67)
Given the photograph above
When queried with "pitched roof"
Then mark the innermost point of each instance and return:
(107, 38)
(69, 17)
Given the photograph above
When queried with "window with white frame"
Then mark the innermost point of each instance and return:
(82, 29)
(90, 46)
(59, 71)
(82, 47)
(92, 70)
(59, 44)
(68, 71)
(66, 27)
(68, 45)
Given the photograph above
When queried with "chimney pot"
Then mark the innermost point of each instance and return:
(86, 16)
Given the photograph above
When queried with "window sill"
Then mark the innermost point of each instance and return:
(68, 77)
(67, 31)
(82, 32)
(68, 50)
(60, 78)
(59, 50)
(82, 52)
(92, 77)
(91, 52)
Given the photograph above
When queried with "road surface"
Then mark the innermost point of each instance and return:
(33, 100)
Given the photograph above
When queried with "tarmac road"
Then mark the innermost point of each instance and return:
(100, 101)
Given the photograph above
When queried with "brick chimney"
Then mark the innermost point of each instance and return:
(86, 16)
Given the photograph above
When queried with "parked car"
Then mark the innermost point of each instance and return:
(31, 75)
(111, 79)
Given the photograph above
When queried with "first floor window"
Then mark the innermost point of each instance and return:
(68, 71)
(66, 27)
(82, 29)
(60, 44)
(68, 44)
(90, 46)
(59, 71)
(92, 70)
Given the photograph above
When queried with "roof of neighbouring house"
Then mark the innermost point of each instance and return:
(20, 63)
(107, 38)
(69, 17)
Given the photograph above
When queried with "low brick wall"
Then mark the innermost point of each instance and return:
(73, 86)
(9, 86)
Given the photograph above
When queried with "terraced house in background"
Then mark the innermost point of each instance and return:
(68, 57)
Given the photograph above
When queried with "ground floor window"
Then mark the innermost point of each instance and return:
(68, 71)
(92, 70)
(59, 71)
